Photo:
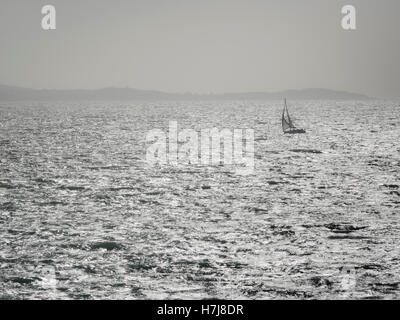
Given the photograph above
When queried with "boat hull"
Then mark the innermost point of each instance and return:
(295, 131)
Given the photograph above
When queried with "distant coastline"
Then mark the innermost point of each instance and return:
(12, 93)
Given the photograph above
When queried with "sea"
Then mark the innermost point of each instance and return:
(84, 215)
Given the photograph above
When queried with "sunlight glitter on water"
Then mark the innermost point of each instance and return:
(317, 219)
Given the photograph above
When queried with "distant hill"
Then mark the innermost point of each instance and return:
(10, 93)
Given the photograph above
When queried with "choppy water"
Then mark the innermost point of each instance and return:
(83, 215)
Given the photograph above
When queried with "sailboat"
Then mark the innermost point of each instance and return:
(287, 124)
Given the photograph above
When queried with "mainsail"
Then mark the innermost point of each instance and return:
(286, 124)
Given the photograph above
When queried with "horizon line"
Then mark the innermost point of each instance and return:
(196, 93)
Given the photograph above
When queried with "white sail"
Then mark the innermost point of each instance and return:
(286, 123)
(291, 125)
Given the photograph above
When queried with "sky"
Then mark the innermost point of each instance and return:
(202, 46)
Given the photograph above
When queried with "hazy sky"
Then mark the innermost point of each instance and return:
(202, 45)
